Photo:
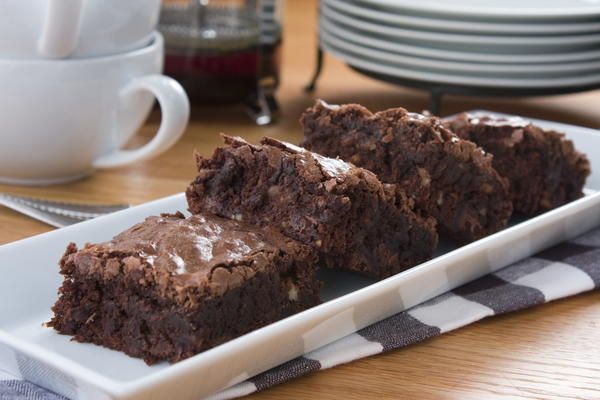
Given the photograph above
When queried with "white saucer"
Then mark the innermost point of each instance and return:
(377, 66)
(44, 182)
(464, 42)
(461, 68)
(494, 9)
(465, 56)
(399, 18)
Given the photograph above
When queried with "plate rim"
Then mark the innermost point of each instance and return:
(441, 8)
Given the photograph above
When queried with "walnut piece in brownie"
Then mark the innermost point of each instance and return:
(449, 178)
(344, 212)
(543, 167)
(171, 287)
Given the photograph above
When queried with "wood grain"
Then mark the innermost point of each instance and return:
(550, 352)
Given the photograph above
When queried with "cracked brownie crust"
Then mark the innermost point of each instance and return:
(449, 178)
(171, 287)
(543, 167)
(344, 212)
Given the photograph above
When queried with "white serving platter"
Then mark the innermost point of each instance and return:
(30, 280)
(446, 54)
(402, 18)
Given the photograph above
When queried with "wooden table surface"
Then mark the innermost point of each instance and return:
(551, 351)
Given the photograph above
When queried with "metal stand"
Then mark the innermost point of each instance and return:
(435, 101)
(263, 108)
(318, 68)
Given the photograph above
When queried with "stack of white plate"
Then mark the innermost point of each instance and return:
(508, 45)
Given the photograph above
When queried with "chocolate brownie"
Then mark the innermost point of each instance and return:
(171, 287)
(542, 166)
(352, 219)
(449, 178)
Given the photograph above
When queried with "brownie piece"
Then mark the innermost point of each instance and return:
(352, 219)
(542, 166)
(171, 287)
(449, 178)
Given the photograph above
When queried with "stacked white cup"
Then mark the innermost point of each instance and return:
(77, 79)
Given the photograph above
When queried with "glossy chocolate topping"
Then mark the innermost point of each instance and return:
(497, 121)
(334, 167)
(192, 245)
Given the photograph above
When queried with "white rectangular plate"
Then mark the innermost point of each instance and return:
(30, 279)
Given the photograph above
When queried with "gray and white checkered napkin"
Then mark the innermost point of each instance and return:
(564, 270)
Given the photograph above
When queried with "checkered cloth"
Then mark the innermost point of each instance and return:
(565, 270)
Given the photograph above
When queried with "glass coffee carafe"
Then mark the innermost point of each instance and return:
(225, 51)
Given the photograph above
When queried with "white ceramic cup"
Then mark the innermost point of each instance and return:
(34, 29)
(61, 119)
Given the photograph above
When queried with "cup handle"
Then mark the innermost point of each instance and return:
(60, 32)
(175, 108)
